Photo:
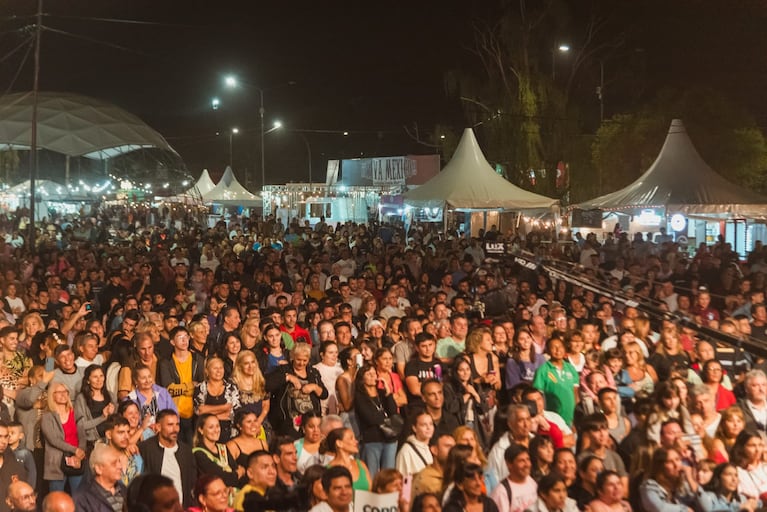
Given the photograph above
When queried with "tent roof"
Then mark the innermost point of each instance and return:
(468, 181)
(681, 181)
(230, 192)
(203, 185)
(47, 189)
(75, 125)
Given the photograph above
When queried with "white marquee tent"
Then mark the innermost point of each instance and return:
(230, 192)
(469, 182)
(680, 181)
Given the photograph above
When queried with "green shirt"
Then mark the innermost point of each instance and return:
(558, 388)
(448, 348)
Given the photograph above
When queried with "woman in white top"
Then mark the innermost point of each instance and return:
(414, 455)
(329, 372)
(747, 454)
(16, 303)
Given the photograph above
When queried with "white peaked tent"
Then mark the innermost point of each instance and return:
(203, 185)
(229, 192)
(469, 182)
(682, 182)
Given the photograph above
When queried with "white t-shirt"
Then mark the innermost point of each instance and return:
(522, 495)
(14, 303)
(171, 469)
(84, 363)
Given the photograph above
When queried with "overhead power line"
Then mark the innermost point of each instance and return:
(97, 41)
(119, 20)
(19, 47)
(30, 44)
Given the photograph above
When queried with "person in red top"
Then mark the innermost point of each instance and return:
(712, 374)
(542, 425)
(703, 311)
(290, 326)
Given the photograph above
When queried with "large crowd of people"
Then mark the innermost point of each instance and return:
(256, 366)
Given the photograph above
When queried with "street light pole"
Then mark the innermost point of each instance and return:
(309, 155)
(232, 133)
(263, 156)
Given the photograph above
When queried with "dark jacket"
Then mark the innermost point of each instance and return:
(370, 416)
(274, 499)
(153, 453)
(11, 471)
(90, 498)
(282, 414)
(167, 373)
(751, 423)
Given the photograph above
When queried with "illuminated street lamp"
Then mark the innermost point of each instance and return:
(232, 133)
(232, 82)
(562, 48)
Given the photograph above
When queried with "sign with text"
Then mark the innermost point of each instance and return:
(495, 248)
(370, 502)
(388, 171)
(587, 218)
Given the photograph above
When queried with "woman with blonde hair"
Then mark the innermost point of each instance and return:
(668, 355)
(636, 373)
(250, 333)
(466, 435)
(217, 396)
(249, 380)
(65, 441)
(298, 387)
(31, 325)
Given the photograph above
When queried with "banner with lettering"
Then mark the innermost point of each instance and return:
(370, 502)
(388, 171)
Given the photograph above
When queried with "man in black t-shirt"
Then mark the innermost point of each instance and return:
(421, 367)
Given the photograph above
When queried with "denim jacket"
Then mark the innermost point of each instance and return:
(712, 502)
(655, 498)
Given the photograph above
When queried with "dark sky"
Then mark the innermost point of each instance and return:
(366, 67)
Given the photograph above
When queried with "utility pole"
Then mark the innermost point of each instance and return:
(33, 136)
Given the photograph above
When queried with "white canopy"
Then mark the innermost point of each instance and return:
(469, 182)
(75, 125)
(682, 182)
(203, 186)
(229, 192)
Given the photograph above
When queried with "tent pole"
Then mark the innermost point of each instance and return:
(444, 220)
(33, 136)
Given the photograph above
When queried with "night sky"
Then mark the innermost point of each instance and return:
(369, 68)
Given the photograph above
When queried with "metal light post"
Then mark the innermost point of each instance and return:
(309, 155)
(263, 155)
(232, 133)
(232, 82)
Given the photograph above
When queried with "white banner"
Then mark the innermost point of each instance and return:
(370, 502)
(332, 176)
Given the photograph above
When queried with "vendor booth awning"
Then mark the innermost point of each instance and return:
(469, 182)
(682, 182)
